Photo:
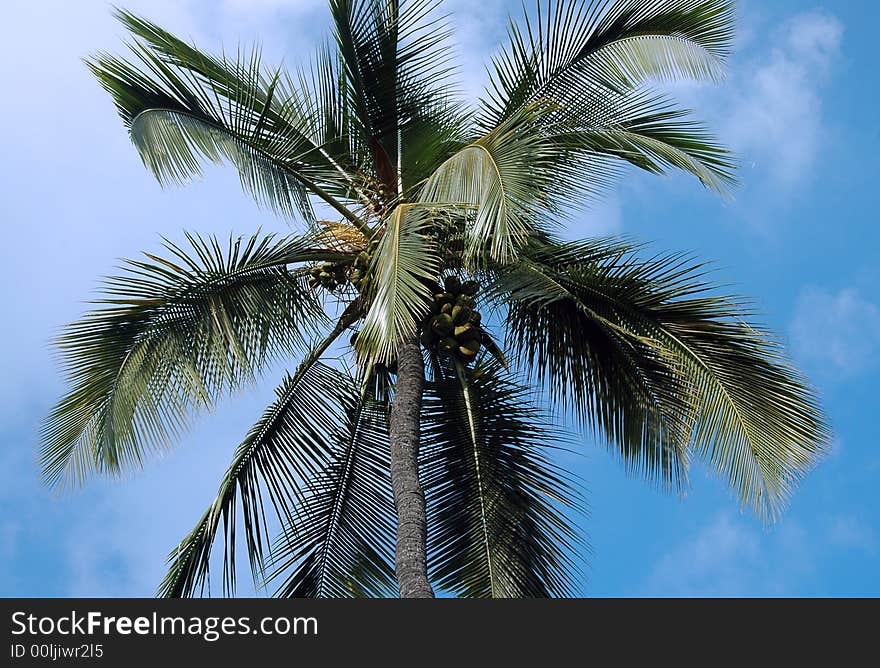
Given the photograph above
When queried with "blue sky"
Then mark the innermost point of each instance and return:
(800, 237)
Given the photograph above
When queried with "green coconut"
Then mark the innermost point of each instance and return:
(461, 332)
(469, 351)
(460, 314)
(442, 324)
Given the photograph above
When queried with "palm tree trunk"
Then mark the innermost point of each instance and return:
(411, 562)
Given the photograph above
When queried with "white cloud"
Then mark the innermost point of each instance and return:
(775, 122)
(730, 557)
(838, 332)
(479, 30)
(716, 562)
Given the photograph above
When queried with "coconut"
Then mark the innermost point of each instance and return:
(460, 314)
(442, 324)
(469, 352)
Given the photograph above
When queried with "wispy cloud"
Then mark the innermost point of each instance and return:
(718, 561)
(775, 119)
(836, 332)
(732, 556)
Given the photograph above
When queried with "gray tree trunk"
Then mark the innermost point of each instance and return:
(411, 563)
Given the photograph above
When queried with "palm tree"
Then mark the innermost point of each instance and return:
(429, 262)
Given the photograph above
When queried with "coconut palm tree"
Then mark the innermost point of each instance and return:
(427, 260)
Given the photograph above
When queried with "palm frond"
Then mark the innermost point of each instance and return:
(498, 523)
(339, 542)
(650, 132)
(403, 267)
(289, 445)
(171, 335)
(395, 57)
(506, 179)
(722, 382)
(183, 106)
(577, 49)
(615, 380)
(590, 60)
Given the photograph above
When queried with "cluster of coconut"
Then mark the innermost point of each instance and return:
(332, 276)
(328, 275)
(454, 326)
(359, 269)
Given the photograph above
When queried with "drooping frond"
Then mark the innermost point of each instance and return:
(590, 60)
(648, 131)
(171, 335)
(183, 106)
(747, 412)
(339, 542)
(612, 378)
(583, 49)
(290, 444)
(498, 509)
(402, 270)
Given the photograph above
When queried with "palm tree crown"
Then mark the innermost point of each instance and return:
(428, 251)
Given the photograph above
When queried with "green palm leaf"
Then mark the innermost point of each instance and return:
(289, 445)
(498, 523)
(613, 379)
(506, 179)
(590, 59)
(403, 268)
(340, 540)
(577, 51)
(720, 387)
(172, 335)
(182, 105)
(395, 57)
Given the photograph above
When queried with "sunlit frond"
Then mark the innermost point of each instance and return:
(403, 268)
(170, 336)
(591, 59)
(583, 49)
(507, 179)
(183, 106)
